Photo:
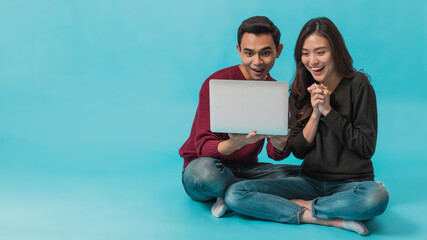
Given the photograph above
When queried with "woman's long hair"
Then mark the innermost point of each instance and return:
(303, 79)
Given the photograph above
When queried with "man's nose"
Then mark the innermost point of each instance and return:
(258, 59)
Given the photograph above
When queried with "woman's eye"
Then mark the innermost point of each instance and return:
(320, 53)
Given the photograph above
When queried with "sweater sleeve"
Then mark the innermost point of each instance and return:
(299, 145)
(206, 142)
(360, 134)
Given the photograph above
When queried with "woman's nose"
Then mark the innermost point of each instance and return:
(313, 60)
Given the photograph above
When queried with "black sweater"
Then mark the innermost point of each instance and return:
(346, 137)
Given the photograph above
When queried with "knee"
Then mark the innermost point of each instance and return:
(375, 197)
(208, 175)
(204, 169)
(234, 193)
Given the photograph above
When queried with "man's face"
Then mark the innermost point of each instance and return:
(258, 54)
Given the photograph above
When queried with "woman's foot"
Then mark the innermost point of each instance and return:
(350, 225)
(303, 203)
(355, 226)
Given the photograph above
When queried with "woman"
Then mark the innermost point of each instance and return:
(334, 129)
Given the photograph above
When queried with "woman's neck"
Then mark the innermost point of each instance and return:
(333, 81)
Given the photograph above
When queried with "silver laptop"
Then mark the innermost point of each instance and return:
(241, 106)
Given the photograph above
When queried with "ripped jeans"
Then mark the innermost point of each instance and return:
(270, 199)
(205, 179)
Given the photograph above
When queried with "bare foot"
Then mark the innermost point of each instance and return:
(350, 225)
(303, 203)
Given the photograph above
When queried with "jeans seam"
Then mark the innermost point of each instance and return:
(313, 209)
(299, 213)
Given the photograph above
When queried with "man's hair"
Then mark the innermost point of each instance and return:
(259, 25)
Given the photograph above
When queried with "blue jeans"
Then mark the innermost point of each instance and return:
(270, 199)
(206, 178)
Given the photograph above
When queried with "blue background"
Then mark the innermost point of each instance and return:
(96, 97)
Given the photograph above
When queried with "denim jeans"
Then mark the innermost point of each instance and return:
(270, 199)
(206, 178)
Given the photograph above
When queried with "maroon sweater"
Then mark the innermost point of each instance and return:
(204, 143)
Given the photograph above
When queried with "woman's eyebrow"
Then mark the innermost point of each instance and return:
(316, 49)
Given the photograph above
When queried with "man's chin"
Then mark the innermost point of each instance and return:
(258, 77)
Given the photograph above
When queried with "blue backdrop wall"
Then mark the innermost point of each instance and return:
(109, 89)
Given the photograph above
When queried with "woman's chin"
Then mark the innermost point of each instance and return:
(318, 79)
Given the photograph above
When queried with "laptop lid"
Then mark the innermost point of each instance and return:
(241, 106)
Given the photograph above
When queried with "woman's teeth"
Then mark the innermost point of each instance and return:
(317, 69)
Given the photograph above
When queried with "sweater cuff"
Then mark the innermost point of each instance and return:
(276, 154)
(210, 149)
(284, 150)
(300, 146)
(300, 140)
(331, 120)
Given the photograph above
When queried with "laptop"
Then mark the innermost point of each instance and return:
(241, 106)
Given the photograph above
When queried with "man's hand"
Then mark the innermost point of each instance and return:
(279, 141)
(243, 139)
(237, 141)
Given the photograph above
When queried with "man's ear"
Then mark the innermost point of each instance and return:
(238, 47)
(279, 50)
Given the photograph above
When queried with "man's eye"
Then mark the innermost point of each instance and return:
(266, 53)
(248, 54)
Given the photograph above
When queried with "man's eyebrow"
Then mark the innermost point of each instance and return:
(248, 49)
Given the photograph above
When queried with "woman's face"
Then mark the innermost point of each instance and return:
(316, 55)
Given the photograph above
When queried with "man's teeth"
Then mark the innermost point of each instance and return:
(316, 69)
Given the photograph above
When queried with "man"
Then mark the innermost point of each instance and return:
(214, 161)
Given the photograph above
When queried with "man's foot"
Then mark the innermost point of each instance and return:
(219, 208)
